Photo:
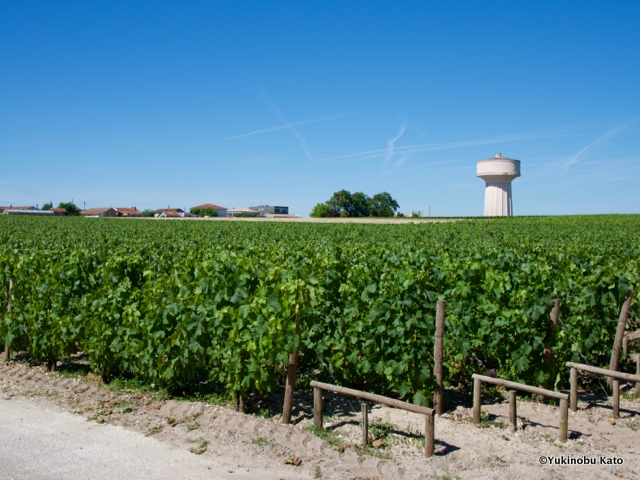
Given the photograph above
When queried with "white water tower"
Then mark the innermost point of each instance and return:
(498, 173)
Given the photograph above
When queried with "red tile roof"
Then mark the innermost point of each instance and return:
(129, 211)
(170, 212)
(94, 211)
(211, 206)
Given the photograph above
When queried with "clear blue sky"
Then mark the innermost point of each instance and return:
(283, 103)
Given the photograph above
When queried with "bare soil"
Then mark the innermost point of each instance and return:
(248, 442)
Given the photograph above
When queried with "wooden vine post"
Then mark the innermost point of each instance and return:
(513, 411)
(317, 408)
(547, 357)
(617, 344)
(292, 371)
(7, 347)
(365, 421)
(438, 396)
(240, 407)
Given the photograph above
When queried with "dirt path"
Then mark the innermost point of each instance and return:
(45, 443)
(240, 442)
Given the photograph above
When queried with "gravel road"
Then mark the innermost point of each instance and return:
(39, 443)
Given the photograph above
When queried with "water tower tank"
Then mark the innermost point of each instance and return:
(498, 173)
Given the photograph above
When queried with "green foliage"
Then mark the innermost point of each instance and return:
(47, 206)
(148, 213)
(204, 212)
(320, 210)
(342, 203)
(345, 204)
(383, 205)
(170, 302)
(70, 208)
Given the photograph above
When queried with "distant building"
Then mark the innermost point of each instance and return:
(244, 212)
(15, 209)
(58, 211)
(268, 209)
(222, 211)
(30, 211)
(172, 213)
(128, 212)
(99, 212)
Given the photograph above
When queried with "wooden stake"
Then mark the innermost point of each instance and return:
(438, 396)
(638, 370)
(513, 415)
(574, 389)
(317, 407)
(622, 325)
(365, 422)
(564, 420)
(616, 398)
(7, 346)
(240, 407)
(547, 356)
(429, 435)
(625, 346)
(477, 399)
(292, 372)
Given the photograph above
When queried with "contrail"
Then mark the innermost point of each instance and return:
(603, 138)
(289, 125)
(411, 149)
(390, 143)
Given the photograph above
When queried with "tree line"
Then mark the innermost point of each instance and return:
(358, 204)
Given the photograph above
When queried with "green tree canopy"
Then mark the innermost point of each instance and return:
(341, 202)
(320, 210)
(358, 204)
(383, 205)
(204, 212)
(47, 206)
(70, 208)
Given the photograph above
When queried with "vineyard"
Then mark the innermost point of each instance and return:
(173, 302)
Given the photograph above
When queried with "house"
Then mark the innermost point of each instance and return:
(268, 209)
(99, 212)
(58, 211)
(242, 212)
(222, 211)
(128, 212)
(15, 209)
(172, 213)
(30, 211)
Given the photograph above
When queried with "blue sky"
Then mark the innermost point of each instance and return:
(283, 103)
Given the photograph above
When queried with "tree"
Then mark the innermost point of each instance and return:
(70, 209)
(320, 210)
(383, 205)
(342, 202)
(204, 212)
(47, 206)
(148, 213)
(360, 204)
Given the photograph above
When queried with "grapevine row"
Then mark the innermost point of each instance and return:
(169, 302)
